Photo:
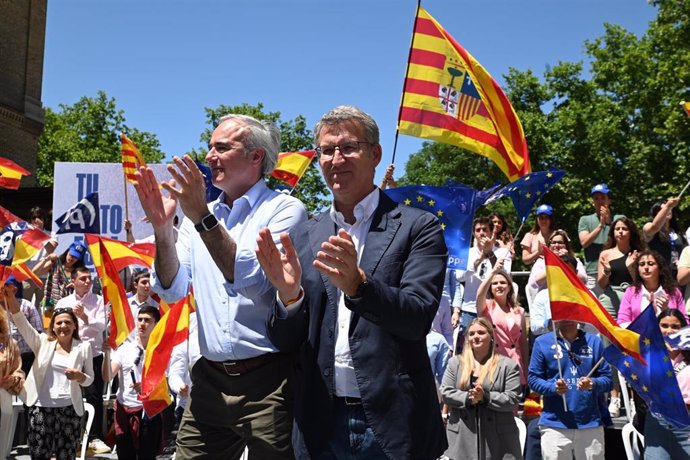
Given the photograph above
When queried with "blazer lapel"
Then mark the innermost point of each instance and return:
(384, 225)
(323, 228)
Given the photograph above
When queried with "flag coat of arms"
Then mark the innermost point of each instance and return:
(450, 98)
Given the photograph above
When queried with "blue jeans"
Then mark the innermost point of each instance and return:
(351, 438)
(665, 442)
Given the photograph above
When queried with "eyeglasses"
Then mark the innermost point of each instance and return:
(346, 149)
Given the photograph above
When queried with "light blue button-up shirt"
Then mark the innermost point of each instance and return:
(232, 316)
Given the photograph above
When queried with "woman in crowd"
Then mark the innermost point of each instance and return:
(617, 262)
(482, 387)
(652, 284)
(496, 301)
(11, 379)
(52, 391)
(534, 241)
(664, 441)
(501, 232)
(663, 233)
(59, 284)
(559, 243)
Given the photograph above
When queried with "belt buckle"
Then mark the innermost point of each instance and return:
(230, 364)
(350, 401)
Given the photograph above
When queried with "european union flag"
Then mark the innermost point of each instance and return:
(83, 217)
(654, 381)
(453, 206)
(212, 192)
(529, 189)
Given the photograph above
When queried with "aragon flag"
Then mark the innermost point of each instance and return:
(291, 166)
(11, 174)
(131, 158)
(448, 97)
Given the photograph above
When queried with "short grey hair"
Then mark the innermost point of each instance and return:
(263, 135)
(346, 113)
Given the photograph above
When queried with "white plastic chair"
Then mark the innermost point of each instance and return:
(522, 430)
(628, 403)
(632, 440)
(90, 414)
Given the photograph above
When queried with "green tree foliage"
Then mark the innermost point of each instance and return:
(88, 131)
(295, 136)
(618, 123)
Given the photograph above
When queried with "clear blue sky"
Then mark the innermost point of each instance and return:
(164, 61)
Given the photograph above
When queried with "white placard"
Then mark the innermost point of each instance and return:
(73, 181)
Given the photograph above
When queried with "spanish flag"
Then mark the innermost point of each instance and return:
(171, 330)
(448, 97)
(121, 320)
(686, 106)
(28, 244)
(132, 158)
(121, 253)
(11, 174)
(571, 300)
(291, 166)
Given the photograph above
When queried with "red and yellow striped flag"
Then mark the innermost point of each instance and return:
(132, 158)
(28, 244)
(686, 106)
(571, 300)
(11, 174)
(291, 166)
(121, 320)
(171, 330)
(448, 97)
(121, 253)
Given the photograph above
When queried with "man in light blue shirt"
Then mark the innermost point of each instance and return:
(241, 395)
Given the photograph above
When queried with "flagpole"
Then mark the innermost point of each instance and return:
(124, 178)
(558, 360)
(407, 73)
(596, 366)
(106, 354)
(684, 189)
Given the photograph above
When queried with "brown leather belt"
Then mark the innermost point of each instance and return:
(243, 366)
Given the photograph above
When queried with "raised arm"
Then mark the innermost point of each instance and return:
(652, 228)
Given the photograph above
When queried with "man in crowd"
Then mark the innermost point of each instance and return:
(136, 436)
(241, 394)
(593, 230)
(360, 284)
(480, 262)
(142, 291)
(91, 315)
(574, 413)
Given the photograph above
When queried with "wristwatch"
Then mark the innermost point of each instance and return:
(360, 290)
(207, 223)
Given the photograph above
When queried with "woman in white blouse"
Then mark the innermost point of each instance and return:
(52, 390)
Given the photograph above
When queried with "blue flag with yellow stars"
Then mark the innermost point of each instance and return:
(654, 381)
(454, 207)
(528, 190)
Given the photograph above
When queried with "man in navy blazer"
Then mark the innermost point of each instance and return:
(357, 292)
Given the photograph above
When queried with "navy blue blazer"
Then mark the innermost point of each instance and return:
(404, 261)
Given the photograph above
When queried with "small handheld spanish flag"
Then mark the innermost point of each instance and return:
(686, 106)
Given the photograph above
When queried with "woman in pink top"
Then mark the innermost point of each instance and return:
(496, 301)
(652, 283)
(534, 240)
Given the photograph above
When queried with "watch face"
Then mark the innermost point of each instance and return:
(209, 221)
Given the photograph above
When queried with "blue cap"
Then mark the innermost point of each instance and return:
(545, 209)
(600, 188)
(13, 281)
(77, 249)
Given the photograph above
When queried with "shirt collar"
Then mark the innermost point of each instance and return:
(363, 210)
(251, 196)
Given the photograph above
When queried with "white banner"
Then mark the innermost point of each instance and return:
(73, 181)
